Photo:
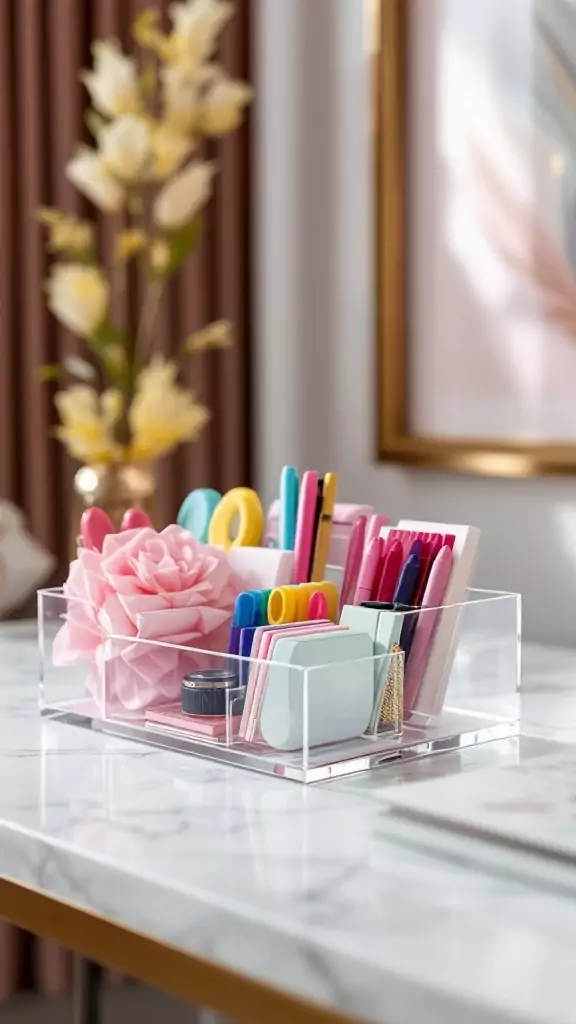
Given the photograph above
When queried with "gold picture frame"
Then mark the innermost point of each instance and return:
(389, 49)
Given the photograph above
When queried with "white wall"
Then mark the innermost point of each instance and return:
(315, 374)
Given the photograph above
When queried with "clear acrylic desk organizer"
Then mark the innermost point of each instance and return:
(481, 698)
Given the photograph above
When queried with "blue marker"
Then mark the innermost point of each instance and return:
(245, 614)
(288, 508)
(406, 587)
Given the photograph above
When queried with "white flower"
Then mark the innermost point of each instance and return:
(125, 147)
(169, 148)
(223, 105)
(78, 297)
(89, 175)
(196, 27)
(182, 197)
(113, 84)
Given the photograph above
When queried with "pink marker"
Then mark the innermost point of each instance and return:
(353, 561)
(390, 572)
(305, 527)
(375, 524)
(95, 525)
(433, 595)
(134, 519)
(368, 570)
(318, 606)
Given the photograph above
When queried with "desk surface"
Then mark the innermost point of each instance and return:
(305, 890)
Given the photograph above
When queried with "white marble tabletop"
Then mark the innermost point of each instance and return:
(305, 888)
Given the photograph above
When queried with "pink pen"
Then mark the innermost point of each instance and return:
(375, 524)
(353, 561)
(427, 618)
(368, 570)
(318, 606)
(305, 527)
(390, 572)
(134, 519)
(95, 525)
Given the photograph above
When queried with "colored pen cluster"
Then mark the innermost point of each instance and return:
(305, 522)
(281, 606)
(393, 569)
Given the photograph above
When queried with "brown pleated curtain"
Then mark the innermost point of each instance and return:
(43, 46)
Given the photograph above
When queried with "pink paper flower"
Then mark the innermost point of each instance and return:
(153, 586)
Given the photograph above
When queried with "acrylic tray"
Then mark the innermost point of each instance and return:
(481, 699)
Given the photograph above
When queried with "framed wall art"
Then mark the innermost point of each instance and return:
(476, 234)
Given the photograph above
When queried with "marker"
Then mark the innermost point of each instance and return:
(353, 561)
(368, 571)
(288, 508)
(245, 614)
(408, 581)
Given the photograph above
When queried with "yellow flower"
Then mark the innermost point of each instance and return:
(223, 106)
(113, 84)
(147, 34)
(215, 335)
(88, 422)
(128, 244)
(196, 27)
(169, 148)
(163, 414)
(78, 297)
(180, 94)
(67, 234)
(159, 255)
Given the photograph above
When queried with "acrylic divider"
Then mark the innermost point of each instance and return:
(298, 723)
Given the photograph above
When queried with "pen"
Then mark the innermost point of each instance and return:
(353, 561)
(368, 569)
(406, 586)
(324, 532)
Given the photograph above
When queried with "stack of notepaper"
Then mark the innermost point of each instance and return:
(530, 805)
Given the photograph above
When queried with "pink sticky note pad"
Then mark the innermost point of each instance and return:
(212, 726)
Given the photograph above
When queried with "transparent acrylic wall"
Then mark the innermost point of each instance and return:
(300, 723)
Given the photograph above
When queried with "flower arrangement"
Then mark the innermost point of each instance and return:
(124, 404)
(165, 587)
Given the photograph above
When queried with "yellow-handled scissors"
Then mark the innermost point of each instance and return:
(240, 503)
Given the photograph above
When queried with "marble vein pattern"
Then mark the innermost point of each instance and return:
(306, 888)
